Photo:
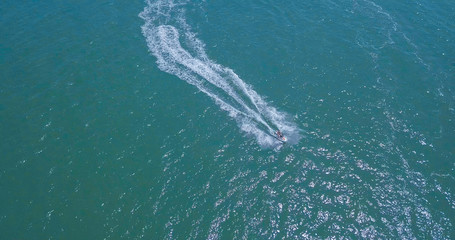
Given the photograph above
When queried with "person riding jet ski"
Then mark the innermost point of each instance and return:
(281, 136)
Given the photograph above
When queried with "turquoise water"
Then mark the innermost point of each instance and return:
(155, 119)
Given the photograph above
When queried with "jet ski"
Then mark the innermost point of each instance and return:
(281, 137)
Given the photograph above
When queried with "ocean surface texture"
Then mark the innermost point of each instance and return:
(156, 119)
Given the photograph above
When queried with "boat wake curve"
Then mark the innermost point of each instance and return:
(165, 30)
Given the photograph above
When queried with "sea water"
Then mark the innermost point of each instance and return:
(156, 119)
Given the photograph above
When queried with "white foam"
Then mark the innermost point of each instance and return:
(179, 52)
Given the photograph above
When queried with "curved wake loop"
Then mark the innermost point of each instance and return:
(254, 116)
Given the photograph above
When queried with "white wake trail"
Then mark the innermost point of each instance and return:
(163, 18)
